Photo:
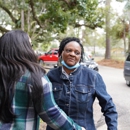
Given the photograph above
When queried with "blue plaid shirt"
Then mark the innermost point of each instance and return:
(29, 110)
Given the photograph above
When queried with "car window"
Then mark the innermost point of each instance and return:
(55, 52)
(49, 52)
(128, 58)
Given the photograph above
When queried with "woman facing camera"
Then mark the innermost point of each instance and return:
(75, 87)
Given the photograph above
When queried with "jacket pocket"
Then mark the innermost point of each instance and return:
(83, 93)
(57, 90)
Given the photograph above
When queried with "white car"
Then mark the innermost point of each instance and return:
(90, 63)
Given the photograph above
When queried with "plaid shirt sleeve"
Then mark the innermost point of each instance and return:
(49, 112)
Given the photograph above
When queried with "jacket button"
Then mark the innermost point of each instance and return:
(68, 92)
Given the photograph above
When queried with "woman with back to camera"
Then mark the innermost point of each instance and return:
(75, 87)
(25, 91)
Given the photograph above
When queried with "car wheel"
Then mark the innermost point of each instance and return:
(128, 83)
(41, 62)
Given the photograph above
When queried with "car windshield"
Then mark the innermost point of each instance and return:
(52, 51)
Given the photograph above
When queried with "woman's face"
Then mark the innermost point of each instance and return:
(71, 53)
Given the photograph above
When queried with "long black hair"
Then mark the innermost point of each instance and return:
(67, 40)
(16, 57)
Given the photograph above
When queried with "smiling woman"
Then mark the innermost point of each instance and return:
(75, 87)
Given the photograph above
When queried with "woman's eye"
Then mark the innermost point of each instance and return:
(68, 51)
(77, 53)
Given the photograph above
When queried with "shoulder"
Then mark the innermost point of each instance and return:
(87, 71)
(55, 71)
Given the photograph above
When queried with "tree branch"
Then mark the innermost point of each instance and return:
(89, 26)
(66, 1)
(3, 29)
(8, 12)
(34, 14)
(70, 3)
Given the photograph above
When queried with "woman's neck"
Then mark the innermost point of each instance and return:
(68, 71)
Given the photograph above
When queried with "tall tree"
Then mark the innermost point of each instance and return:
(127, 16)
(108, 45)
(127, 10)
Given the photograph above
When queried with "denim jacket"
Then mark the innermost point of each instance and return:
(76, 95)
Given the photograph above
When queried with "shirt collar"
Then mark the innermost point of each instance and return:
(63, 72)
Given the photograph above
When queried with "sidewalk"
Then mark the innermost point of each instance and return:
(98, 117)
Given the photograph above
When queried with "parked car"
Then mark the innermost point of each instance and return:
(50, 57)
(127, 70)
(87, 61)
(90, 63)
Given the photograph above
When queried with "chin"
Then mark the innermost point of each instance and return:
(70, 64)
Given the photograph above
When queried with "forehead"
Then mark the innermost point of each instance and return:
(73, 45)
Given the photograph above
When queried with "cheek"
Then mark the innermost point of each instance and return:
(79, 58)
(63, 56)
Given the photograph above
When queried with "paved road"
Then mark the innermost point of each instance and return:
(120, 93)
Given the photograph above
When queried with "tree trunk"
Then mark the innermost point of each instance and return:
(124, 36)
(108, 45)
(22, 19)
(28, 20)
(129, 39)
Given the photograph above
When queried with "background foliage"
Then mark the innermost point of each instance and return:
(45, 20)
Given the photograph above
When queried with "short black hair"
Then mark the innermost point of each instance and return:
(67, 40)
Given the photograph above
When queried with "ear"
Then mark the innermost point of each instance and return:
(62, 54)
(60, 59)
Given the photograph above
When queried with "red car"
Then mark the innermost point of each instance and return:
(51, 57)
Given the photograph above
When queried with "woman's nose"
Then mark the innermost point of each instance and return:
(72, 53)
